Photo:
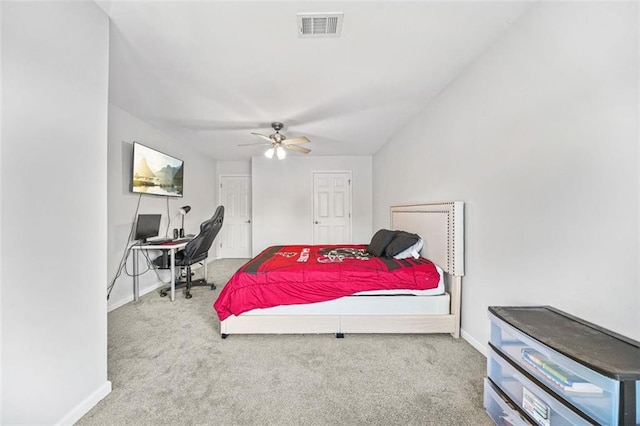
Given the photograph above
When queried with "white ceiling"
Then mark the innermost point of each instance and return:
(210, 72)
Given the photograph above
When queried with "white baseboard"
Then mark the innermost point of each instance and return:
(473, 342)
(128, 299)
(83, 408)
(148, 289)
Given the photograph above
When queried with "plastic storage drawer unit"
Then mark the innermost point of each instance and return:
(544, 409)
(570, 365)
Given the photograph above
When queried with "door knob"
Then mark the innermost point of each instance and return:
(316, 222)
(247, 221)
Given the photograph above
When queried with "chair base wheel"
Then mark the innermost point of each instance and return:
(188, 296)
(213, 286)
(163, 294)
(224, 336)
(339, 335)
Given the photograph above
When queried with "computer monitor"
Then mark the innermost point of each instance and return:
(148, 226)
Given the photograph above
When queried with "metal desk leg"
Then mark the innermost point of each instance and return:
(173, 274)
(136, 283)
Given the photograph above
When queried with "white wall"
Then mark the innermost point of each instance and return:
(54, 210)
(234, 167)
(540, 138)
(1, 214)
(283, 198)
(199, 192)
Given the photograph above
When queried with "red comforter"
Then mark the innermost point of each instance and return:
(287, 275)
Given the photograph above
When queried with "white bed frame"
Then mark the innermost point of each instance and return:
(441, 225)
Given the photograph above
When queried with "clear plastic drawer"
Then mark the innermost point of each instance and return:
(534, 401)
(591, 393)
(500, 410)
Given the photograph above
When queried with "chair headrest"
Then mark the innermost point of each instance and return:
(219, 214)
(208, 231)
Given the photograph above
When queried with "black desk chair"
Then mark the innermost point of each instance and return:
(195, 251)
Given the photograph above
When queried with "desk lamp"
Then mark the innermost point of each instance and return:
(183, 211)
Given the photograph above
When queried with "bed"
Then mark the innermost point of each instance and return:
(433, 309)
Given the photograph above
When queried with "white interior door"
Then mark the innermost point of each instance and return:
(235, 235)
(332, 207)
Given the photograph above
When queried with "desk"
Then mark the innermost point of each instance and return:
(172, 248)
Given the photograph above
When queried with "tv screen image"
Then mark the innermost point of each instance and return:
(156, 173)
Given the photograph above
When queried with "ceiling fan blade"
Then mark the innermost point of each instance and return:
(257, 143)
(299, 139)
(263, 137)
(298, 148)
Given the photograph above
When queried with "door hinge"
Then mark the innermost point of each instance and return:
(220, 184)
(349, 181)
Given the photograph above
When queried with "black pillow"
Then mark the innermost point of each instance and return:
(401, 241)
(380, 241)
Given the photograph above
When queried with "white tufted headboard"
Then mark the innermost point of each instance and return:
(441, 226)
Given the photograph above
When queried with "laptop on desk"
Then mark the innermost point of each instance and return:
(168, 241)
(148, 231)
(158, 241)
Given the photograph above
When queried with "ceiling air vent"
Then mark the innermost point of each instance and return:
(320, 24)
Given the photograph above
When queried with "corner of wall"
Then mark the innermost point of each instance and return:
(87, 404)
(473, 342)
(1, 255)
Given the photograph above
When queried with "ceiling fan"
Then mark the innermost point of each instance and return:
(278, 142)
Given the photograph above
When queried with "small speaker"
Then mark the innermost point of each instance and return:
(175, 233)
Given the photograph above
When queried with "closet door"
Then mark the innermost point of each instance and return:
(332, 207)
(235, 235)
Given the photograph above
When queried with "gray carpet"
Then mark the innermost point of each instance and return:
(168, 365)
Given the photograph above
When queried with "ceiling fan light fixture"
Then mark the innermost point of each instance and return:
(278, 143)
(269, 153)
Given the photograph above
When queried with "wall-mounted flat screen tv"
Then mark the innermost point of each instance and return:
(156, 173)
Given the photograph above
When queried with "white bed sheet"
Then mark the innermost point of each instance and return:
(365, 305)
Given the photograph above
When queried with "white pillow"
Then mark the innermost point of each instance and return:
(413, 251)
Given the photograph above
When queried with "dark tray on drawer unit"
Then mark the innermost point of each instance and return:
(605, 359)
